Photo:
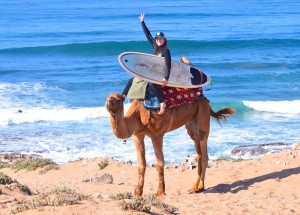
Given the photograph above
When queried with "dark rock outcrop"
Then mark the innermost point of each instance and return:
(259, 149)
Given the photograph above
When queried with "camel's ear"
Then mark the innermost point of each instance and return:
(123, 97)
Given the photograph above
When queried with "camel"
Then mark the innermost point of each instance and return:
(139, 122)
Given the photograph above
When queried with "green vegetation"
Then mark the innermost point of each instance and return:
(221, 159)
(28, 163)
(56, 197)
(6, 180)
(237, 160)
(120, 196)
(31, 164)
(142, 203)
(103, 164)
(4, 165)
(48, 168)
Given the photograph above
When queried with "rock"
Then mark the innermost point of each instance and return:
(258, 149)
(129, 162)
(104, 179)
(192, 166)
(98, 195)
(35, 192)
(296, 146)
(84, 162)
(5, 161)
(8, 201)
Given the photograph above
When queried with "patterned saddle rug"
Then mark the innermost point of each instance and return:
(173, 97)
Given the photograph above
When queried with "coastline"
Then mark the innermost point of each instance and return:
(265, 185)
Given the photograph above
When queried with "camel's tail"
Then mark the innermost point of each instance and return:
(222, 114)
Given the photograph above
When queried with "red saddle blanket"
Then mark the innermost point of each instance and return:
(177, 96)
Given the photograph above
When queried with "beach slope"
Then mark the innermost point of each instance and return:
(267, 185)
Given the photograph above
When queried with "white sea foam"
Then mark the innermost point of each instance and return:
(9, 117)
(28, 95)
(12, 116)
(291, 107)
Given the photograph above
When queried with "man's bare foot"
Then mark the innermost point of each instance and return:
(162, 108)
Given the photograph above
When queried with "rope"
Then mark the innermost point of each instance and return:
(210, 86)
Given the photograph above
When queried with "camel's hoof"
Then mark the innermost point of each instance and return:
(191, 191)
(138, 192)
(158, 194)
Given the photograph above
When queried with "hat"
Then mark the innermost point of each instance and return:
(159, 35)
(186, 61)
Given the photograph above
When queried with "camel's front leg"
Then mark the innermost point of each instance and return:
(141, 162)
(159, 163)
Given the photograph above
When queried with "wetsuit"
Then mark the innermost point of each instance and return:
(159, 51)
(154, 88)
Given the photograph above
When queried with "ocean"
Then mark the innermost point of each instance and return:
(58, 63)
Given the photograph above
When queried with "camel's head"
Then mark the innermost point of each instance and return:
(114, 103)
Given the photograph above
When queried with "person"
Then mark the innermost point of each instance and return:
(136, 88)
(185, 60)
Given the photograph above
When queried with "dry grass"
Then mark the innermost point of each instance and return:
(221, 159)
(6, 180)
(143, 203)
(56, 197)
(238, 160)
(120, 196)
(28, 163)
(48, 168)
(103, 164)
(31, 164)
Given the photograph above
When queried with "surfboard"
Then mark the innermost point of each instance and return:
(152, 68)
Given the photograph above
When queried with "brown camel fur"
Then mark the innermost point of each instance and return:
(139, 122)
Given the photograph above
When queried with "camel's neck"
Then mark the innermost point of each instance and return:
(121, 125)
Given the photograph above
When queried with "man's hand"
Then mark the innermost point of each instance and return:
(165, 82)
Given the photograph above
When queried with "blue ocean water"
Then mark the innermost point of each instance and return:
(58, 63)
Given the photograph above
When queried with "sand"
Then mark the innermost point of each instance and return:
(266, 185)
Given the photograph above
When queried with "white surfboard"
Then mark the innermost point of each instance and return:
(152, 68)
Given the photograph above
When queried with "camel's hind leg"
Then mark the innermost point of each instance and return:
(198, 129)
(139, 143)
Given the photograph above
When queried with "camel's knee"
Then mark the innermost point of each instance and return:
(142, 169)
(159, 161)
(160, 168)
(203, 134)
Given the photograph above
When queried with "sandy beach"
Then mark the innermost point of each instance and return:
(267, 185)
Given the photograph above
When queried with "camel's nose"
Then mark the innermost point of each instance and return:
(111, 104)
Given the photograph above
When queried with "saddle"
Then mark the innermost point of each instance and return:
(173, 97)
